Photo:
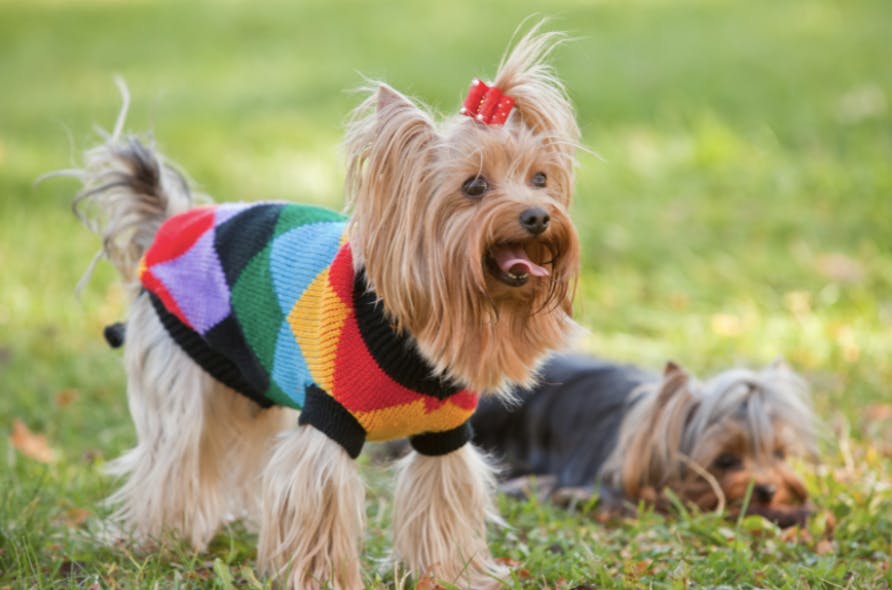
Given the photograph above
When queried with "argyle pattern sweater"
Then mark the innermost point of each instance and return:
(264, 297)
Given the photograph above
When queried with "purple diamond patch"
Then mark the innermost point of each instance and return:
(196, 282)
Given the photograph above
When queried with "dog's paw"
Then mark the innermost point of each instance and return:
(572, 497)
(529, 486)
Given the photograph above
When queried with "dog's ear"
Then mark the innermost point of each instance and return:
(677, 401)
(387, 98)
(395, 110)
(674, 380)
(403, 132)
(672, 369)
(652, 446)
(389, 149)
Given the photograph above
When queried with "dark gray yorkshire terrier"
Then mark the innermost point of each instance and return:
(630, 434)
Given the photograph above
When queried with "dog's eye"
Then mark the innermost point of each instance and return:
(780, 454)
(539, 180)
(475, 187)
(726, 461)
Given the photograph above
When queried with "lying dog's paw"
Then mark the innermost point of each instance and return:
(528, 486)
(571, 497)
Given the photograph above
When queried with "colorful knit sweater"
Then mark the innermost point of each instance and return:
(264, 297)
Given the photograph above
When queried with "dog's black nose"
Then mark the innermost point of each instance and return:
(764, 492)
(535, 220)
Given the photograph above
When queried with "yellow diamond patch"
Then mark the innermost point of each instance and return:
(316, 321)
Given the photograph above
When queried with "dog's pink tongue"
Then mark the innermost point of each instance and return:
(514, 260)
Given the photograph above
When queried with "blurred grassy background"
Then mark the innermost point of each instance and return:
(741, 210)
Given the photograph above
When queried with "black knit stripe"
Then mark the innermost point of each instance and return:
(436, 444)
(323, 413)
(395, 353)
(228, 338)
(238, 239)
(215, 364)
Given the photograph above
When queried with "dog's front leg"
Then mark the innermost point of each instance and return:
(441, 506)
(313, 514)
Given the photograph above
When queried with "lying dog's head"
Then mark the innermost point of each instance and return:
(462, 225)
(711, 442)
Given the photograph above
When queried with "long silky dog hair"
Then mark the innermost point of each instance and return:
(632, 434)
(428, 246)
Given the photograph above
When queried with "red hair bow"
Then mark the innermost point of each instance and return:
(487, 104)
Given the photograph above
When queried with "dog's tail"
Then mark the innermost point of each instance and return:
(128, 191)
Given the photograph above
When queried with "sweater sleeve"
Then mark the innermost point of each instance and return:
(436, 444)
(324, 413)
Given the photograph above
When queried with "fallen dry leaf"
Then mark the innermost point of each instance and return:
(641, 566)
(31, 444)
(829, 522)
(428, 583)
(65, 397)
(75, 517)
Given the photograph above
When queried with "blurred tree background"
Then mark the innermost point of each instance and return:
(737, 207)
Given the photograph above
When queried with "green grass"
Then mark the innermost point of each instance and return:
(741, 210)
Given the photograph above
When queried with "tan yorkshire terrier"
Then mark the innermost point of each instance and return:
(450, 279)
(630, 435)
